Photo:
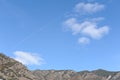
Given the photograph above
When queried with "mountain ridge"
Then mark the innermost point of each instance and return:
(11, 69)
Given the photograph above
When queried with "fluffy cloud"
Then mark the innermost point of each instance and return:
(73, 25)
(85, 8)
(87, 28)
(94, 32)
(84, 40)
(28, 58)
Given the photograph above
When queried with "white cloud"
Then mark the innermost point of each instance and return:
(73, 25)
(94, 32)
(85, 8)
(84, 40)
(88, 28)
(28, 58)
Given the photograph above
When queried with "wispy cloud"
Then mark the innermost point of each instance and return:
(88, 28)
(28, 58)
(84, 40)
(85, 8)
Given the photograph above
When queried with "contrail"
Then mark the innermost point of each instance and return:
(27, 38)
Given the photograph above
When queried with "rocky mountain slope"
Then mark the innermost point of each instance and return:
(72, 75)
(11, 69)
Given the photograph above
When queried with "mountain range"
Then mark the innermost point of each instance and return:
(11, 69)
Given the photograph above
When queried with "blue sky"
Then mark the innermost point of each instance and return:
(61, 34)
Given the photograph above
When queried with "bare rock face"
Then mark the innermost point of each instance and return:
(116, 77)
(10, 69)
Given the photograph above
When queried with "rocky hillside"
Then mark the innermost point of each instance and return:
(72, 75)
(11, 69)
